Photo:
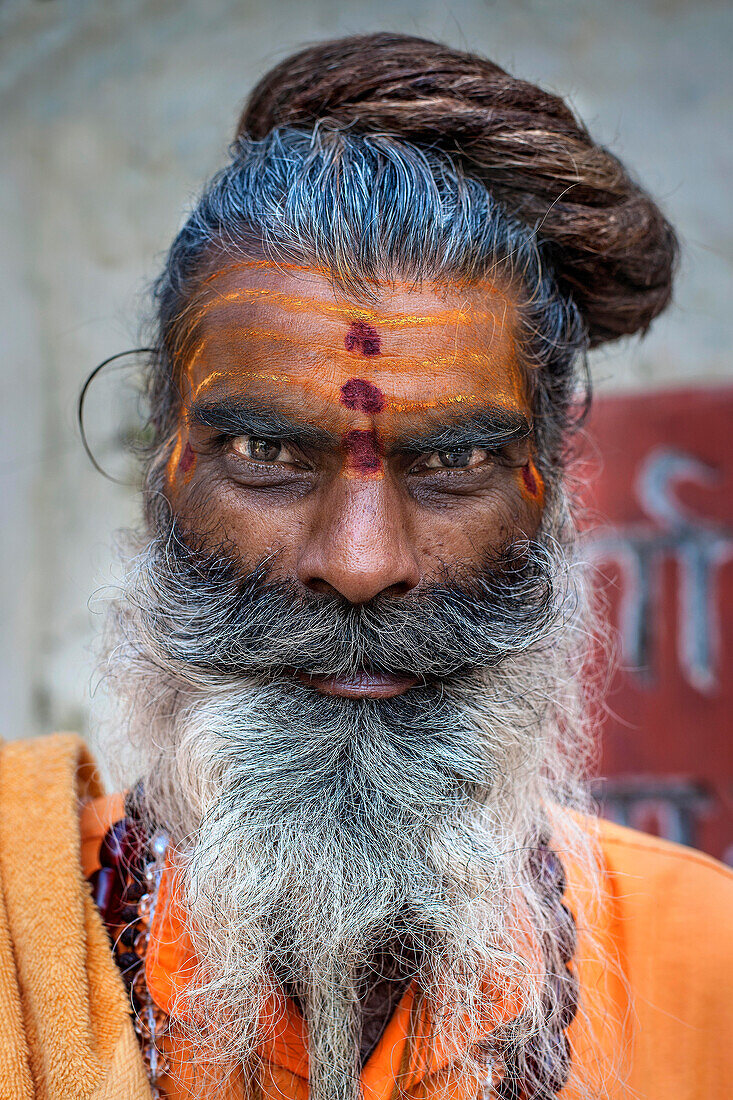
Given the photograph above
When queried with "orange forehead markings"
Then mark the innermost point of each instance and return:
(402, 363)
(352, 395)
(440, 403)
(206, 382)
(316, 306)
(266, 376)
(195, 355)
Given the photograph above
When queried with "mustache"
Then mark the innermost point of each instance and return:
(201, 610)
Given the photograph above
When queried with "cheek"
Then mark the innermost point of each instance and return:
(469, 531)
(216, 513)
(464, 538)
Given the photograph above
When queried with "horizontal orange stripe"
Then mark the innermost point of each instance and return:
(324, 389)
(401, 363)
(317, 306)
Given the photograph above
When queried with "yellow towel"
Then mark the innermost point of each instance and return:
(65, 1028)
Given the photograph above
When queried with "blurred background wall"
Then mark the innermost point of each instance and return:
(113, 113)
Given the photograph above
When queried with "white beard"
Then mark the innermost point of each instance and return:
(312, 831)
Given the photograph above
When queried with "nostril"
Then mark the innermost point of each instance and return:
(320, 587)
(399, 589)
(361, 581)
(357, 594)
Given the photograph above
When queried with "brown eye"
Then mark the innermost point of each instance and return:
(260, 450)
(456, 460)
(264, 450)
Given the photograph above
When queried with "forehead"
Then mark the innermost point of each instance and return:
(289, 335)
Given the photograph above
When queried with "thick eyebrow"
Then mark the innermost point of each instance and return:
(491, 427)
(235, 417)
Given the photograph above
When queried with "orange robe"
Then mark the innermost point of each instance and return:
(656, 1019)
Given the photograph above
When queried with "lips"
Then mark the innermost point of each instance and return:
(360, 685)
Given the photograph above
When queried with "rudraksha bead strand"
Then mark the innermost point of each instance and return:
(125, 889)
(151, 1023)
(540, 1068)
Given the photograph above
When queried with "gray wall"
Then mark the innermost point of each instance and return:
(113, 112)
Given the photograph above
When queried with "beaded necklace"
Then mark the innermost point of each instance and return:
(125, 890)
(541, 1068)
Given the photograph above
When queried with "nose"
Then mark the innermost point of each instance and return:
(358, 546)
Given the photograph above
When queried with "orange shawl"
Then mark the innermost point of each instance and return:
(656, 992)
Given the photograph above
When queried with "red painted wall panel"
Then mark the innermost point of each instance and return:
(658, 484)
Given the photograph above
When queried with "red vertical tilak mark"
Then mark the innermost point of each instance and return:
(363, 339)
(362, 445)
(359, 394)
(362, 451)
(530, 481)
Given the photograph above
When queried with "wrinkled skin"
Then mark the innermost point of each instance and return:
(365, 498)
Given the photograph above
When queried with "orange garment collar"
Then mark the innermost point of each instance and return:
(171, 963)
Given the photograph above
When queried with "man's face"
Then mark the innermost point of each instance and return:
(340, 670)
(362, 447)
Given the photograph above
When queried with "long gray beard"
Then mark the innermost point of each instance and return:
(314, 832)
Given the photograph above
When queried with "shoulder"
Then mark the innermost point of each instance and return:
(38, 771)
(666, 910)
(647, 866)
(670, 914)
(44, 782)
(637, 868)
(659, 903)
(658, 963)
(48, 758)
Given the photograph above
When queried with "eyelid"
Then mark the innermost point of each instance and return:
(422, 460)
(223, 438)
(290, 460)
(493, 440)
(225, 427)
(417, 453)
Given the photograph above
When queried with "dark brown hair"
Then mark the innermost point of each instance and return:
(610, 246)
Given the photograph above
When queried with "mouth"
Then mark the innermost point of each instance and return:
(360, 685)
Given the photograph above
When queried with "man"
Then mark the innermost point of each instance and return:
(354, 857)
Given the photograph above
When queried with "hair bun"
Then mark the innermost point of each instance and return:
(611, 248)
